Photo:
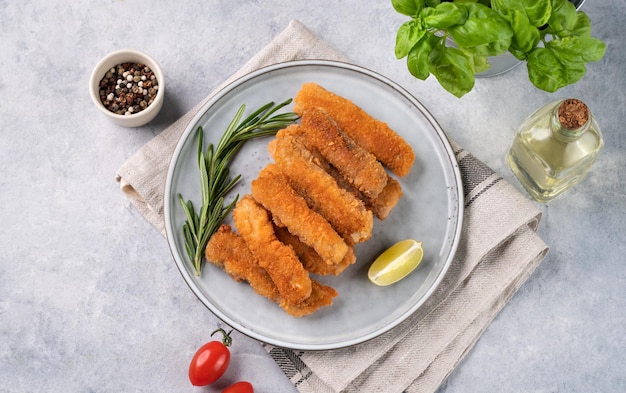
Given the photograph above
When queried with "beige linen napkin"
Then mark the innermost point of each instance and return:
(499, 249)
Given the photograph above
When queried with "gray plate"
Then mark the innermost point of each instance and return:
(430, 211)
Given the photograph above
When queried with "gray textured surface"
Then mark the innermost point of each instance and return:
(90, 299)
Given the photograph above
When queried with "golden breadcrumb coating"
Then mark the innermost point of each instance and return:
(273, 191)
(279, 260)
(346, 213)
(229, 251)
(371, 134)
(358, 166)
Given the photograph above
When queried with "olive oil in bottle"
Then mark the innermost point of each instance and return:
(554, 148)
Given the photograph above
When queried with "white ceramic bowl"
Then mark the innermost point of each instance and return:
(127, 56)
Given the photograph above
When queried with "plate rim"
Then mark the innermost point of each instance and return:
(214, 99)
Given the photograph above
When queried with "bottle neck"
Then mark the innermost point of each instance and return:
(563, 133)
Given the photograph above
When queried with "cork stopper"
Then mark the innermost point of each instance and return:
(573, 114)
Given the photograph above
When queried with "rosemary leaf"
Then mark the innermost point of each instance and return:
(215, 180)
(189, 241)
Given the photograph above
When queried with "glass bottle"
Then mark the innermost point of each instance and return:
(554, 148)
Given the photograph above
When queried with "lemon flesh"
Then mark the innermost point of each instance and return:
(395, 263)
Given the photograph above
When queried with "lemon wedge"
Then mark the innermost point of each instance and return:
(395, 263)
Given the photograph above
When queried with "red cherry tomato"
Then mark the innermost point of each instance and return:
(210, 361)
(240, 387)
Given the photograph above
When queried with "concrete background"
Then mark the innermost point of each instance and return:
(90, 299)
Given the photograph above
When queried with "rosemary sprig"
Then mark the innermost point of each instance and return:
(215, 180)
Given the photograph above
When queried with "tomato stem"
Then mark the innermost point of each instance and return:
(227, 340)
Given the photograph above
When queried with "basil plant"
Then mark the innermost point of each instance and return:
(551, 36)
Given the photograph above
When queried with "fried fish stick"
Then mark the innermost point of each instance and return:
(386, 200)
(358, 166)
(273, 191)
(321, 296)
(280, 261)
(310, 259)
(371, 134)
(382, 205)
(229, 251)
(344, 211)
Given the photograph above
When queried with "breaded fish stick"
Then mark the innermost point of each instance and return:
(381, 206)
(280, 261)
(344, 211)
(373, 135)
(321, 296)
(273, 191)
(229, 251)
(386, 200)
(358, 166)
(310, 259)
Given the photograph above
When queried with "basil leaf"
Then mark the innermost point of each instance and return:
(574, 72)
(506, 7)
(408, 35)
(538, 12)
(582, 26)
(518, 53)
(408, 7)
(578, 25)
(484, 2)
(577, 49)
(545, 71)
(452, 69)
(480, 64)
(432, 3)
(548, 73)
(417, 60)
(444, 15)
(563, 19)
(525, 35)
(524, 20)
(484, 32)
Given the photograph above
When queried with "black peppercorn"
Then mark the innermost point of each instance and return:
(128, 88)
